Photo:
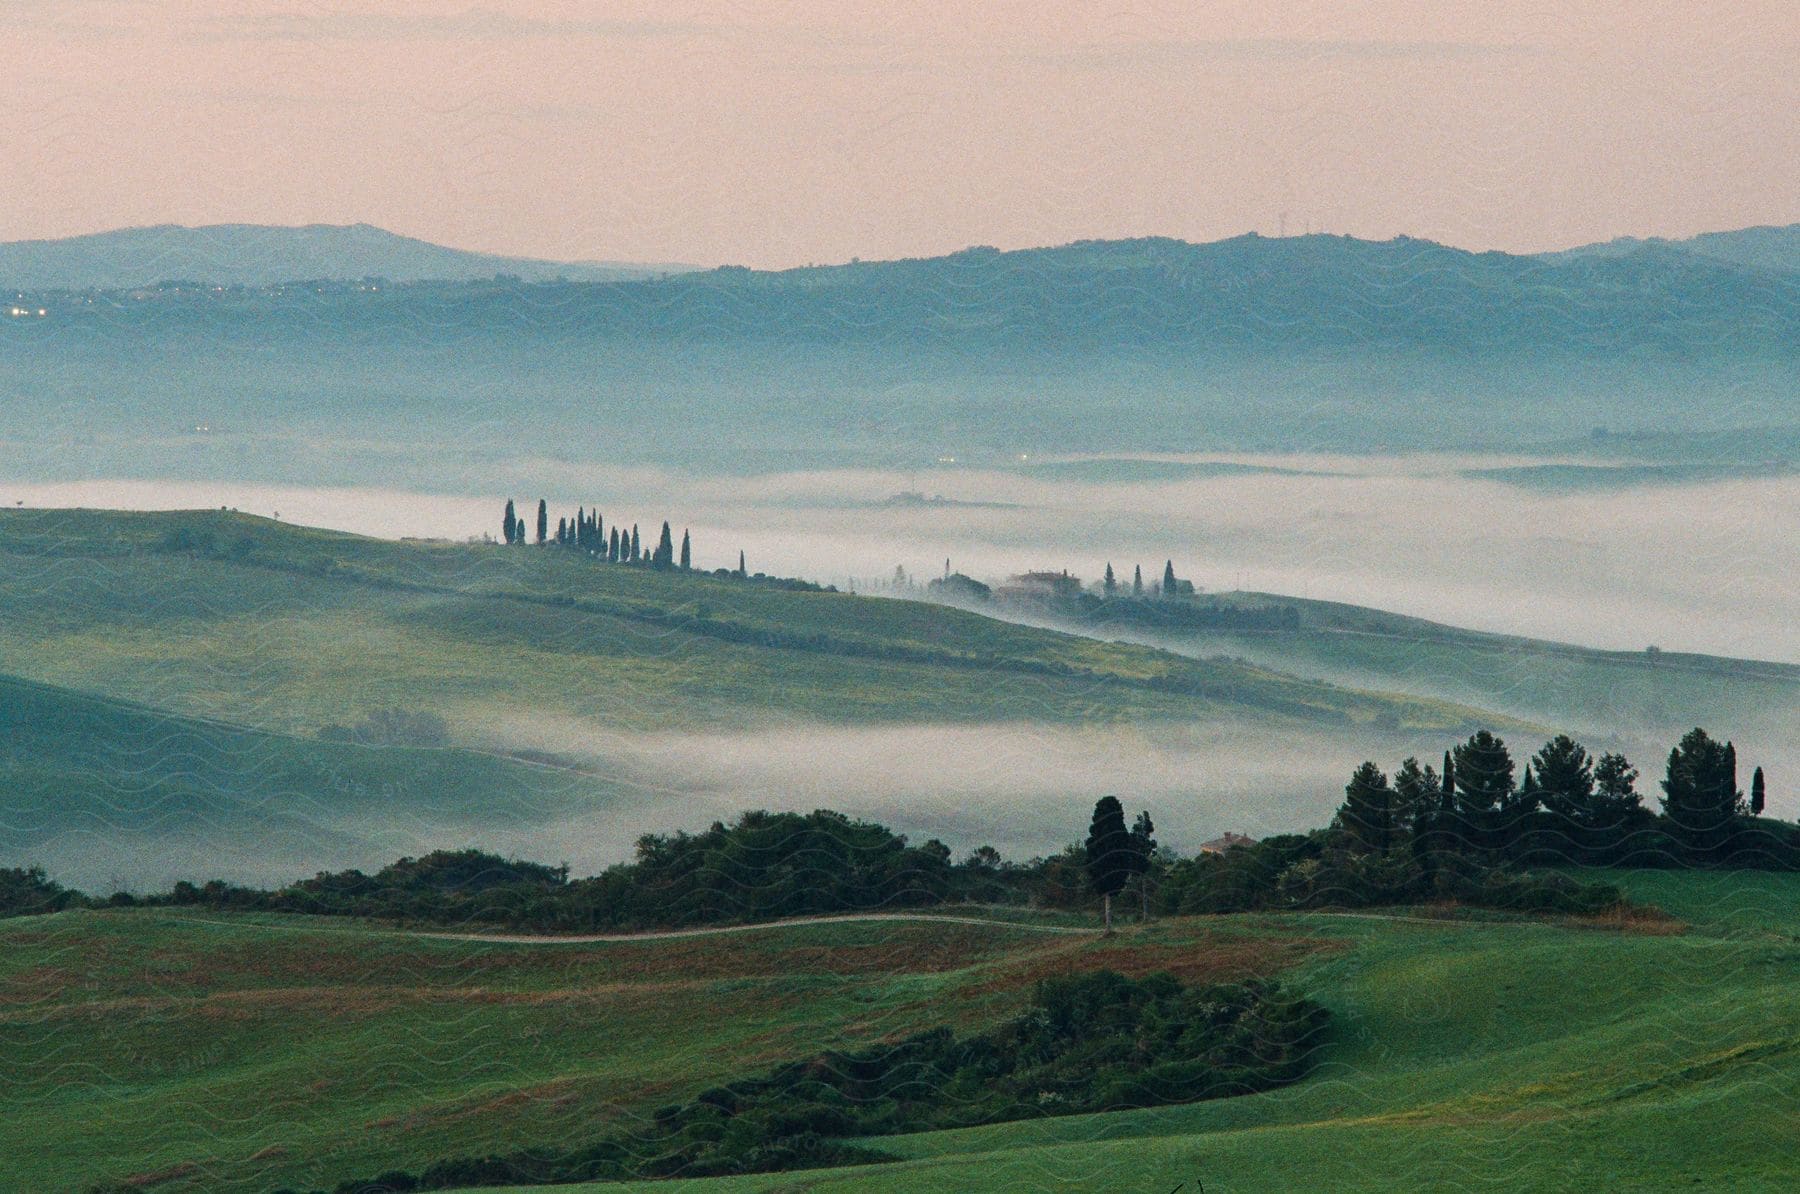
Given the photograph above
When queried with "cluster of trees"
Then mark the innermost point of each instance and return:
(1566, 806)
(763, 866)
(588, 533)
(1171, 585)
(1087, 1043)
(1465, 833)
(1471, 833)
(1135, 604)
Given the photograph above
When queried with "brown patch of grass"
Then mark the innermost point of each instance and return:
(1639, 919)
(35, 985)
(156, 1177)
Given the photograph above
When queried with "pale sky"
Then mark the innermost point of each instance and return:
(817, 130)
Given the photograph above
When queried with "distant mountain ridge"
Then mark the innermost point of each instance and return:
(264, 255)
(1767, 247)
(1247, 294)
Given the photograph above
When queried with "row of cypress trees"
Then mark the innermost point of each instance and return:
(587, 532)
(1171, 587)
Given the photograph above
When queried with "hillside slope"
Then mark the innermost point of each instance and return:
(109, 792)
(579, 703)
(1638, 700)
(214, 613)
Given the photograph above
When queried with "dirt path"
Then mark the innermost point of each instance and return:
(657, 935)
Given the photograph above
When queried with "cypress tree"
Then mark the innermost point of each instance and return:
(612, 547)
(1449, 800)
(664, 556)
(509, 526)
(1110, 585)
(742, 571)
(1168, 583)
(1758, 797)
(1143, 853)
(543, 527)
(687, 554)
(1137, 580)
(636, 547)
(1110, 857)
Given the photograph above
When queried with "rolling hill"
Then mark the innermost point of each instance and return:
(267, 255)
(577, 698)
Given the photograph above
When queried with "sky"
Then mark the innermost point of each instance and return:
(778, 134)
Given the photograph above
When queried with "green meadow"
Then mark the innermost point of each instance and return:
(177, 1051)
(215, 614)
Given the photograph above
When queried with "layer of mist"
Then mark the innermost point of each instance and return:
(1706, 566)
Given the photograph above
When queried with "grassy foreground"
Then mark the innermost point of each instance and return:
(242, 1052)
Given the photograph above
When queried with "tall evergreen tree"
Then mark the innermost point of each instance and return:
(636, 547)
(687, 552)
(1565, 778)
(1700, 797)
(1484, 773)
(1110, 857)
(1367, 814)
(1168, 582)
(1137, 580)
(1110, 585)
(509, 526)
(1449, 799)
(1758, 797)
(543, 527)
(1616, 798)
(664, 555)
(1143, 856)
(1416, 795)
(742, 572)
(612, 547)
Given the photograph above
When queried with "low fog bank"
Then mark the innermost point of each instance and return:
(1023, 788)
(1700, 567)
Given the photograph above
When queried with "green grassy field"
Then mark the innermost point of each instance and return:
(245, 1052)
(290, 628)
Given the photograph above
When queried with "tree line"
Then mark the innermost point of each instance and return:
(1469, 833)
(587, 532)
